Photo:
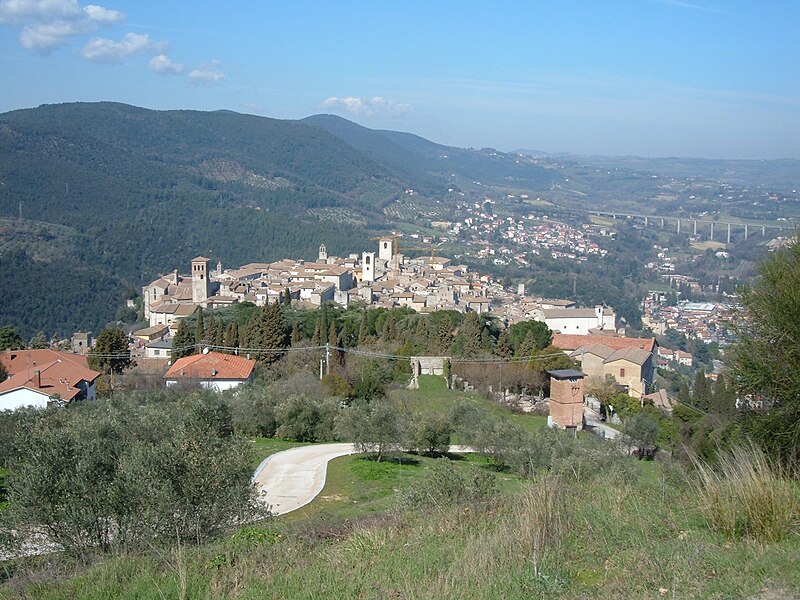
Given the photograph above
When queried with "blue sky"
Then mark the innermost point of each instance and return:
(706, 78)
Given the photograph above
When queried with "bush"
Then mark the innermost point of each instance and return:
(744, 495)
(306, 419)
(444, 485)
(430, 433)
(117, 475)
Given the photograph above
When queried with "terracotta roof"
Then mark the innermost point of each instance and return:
(634, 355)
(57, 377)
(21, 360)
(573, 342)
(600, 350)
(211, 366)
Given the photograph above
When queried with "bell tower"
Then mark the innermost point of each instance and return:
(368, 266)
(200, 284)
(323, 253)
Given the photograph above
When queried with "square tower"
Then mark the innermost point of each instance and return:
(566, 398)
(200, 284)
(385, 249)
(368, 266)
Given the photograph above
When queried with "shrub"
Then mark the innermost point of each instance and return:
(116, 475)
(430, 433)
(744, 495)
(445, 485)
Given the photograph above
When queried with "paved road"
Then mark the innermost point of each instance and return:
(294, 477)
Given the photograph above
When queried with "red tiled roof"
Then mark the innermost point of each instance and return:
(21, 360)
(573, 342)
(214, 365)
(57, 377)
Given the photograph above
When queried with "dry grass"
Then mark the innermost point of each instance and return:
(746, 496)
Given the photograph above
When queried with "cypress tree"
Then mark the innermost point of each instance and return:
(266, 331)
(445, 335)
(183, 342)
(333, 335)
(503, 349)
(362, 330)
(701, 394)
(295, 334)
(199, 330)
(232, 336)
(219, 333)
(287, 297)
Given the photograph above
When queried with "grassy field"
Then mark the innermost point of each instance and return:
(434, 397)
(639, 537)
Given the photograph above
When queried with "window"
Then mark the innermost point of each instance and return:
(156, 352)
(622, 372)
(367, 259)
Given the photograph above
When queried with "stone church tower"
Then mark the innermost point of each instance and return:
(200, 285)
(368, 266)
(323, 254)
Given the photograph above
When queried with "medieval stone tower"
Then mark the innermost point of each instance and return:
(200, 285)
(323, 253)
(368, 266)
(385, 249)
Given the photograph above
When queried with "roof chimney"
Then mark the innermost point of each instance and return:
(37, 378)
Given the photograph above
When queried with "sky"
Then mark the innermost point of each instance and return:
(691, 78)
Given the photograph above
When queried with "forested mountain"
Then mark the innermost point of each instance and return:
(142, 192)
(96, 198)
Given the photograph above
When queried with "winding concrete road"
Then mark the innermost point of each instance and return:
(292, 478)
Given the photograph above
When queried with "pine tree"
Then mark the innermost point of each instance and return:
(38, 341)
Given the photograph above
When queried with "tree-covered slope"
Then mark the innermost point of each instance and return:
(145, 191)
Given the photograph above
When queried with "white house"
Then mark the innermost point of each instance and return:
(213, 370)
(39, 383)
(577, 321)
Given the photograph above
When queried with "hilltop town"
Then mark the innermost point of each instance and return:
(385, 278)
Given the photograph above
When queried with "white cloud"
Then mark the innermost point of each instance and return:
(207, 74)
(368, 107)
(163, 65)
(107, 51)
(49, 24)
(100, 14)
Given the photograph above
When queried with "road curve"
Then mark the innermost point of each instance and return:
(290, 479)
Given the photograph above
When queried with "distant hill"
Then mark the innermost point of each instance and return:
(145, 191)
(411, 153)
(138, 192)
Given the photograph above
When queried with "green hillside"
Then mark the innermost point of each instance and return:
(145, 191)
